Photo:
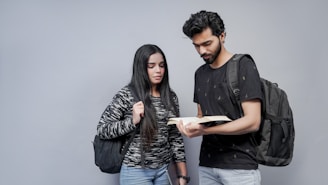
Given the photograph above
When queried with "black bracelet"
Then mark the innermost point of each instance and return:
(185, 178)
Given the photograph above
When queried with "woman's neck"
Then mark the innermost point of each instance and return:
(155, 92)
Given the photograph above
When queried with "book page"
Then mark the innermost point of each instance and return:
(217, 118)
(197, 120)
(185, 120)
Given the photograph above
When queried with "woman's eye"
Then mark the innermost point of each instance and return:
(151, 65)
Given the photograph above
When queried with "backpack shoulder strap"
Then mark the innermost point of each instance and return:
(232, 78)
(132, 135)
(134, 93)
(232, 74)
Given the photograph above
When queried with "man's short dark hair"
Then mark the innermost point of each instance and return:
(199, 21)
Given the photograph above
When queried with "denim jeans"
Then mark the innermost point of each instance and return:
(211, 176)
(143, 176)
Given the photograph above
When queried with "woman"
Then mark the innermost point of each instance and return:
(155, 143)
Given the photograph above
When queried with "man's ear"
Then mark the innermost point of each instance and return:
(222, 37)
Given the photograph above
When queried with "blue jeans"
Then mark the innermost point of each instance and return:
(143, 176)
(210, 176)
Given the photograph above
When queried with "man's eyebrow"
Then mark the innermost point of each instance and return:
(205, 42)
(194, 43)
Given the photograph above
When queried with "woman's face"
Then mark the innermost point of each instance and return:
(155, 69)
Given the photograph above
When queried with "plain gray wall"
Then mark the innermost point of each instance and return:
(61, 62)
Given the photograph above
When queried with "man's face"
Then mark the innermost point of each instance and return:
(207, 45)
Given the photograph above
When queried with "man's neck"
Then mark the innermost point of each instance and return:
(223, 58)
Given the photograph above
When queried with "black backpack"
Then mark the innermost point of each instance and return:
(275, 138)
(109, 153)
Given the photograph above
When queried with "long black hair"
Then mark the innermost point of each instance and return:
(142, 86)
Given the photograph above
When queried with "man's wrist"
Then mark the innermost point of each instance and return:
(186, 178)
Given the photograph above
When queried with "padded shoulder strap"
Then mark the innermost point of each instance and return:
(133, 92)
(132, 135)
(233, 72)
(232, 77)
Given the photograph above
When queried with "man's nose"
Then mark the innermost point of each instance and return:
(202, 50)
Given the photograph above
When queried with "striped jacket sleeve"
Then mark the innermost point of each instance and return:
(176, 139)
(116, 120)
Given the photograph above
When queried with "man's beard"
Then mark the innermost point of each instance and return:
(215, 55)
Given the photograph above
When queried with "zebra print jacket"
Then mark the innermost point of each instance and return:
(168, 144)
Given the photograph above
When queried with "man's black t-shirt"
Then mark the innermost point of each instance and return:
(213, 94)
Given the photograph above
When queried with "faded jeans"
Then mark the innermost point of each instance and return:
(217, 176)
(143, 176)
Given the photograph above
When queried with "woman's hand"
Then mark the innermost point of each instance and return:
(138, 112)
(182, 181)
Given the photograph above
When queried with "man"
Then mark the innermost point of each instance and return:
(227, 154)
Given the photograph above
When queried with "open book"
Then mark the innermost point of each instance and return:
(197, 120)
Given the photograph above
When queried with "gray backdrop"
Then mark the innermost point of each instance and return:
(61, 62)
